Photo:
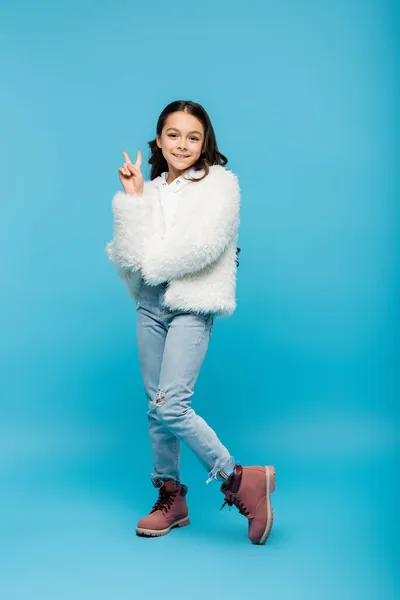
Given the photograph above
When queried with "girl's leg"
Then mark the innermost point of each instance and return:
(184, 351)
(151, 335)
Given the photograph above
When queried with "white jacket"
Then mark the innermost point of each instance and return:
(197, 256)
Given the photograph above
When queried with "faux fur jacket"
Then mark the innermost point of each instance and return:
(197, 257)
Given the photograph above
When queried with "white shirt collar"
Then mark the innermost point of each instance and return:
(179, 182)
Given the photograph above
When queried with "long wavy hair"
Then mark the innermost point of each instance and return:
(210, 154)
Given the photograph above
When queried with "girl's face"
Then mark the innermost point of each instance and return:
(181, 140)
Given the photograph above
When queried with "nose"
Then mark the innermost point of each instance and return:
(181, 145)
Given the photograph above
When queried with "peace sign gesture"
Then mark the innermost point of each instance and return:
(131, 176)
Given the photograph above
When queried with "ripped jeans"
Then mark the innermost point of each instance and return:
(172, 347)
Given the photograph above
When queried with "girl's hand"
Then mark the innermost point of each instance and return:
(131, 176)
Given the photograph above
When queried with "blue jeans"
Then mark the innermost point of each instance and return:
(172, 347)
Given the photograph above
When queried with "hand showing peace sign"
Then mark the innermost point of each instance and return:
(131, 176)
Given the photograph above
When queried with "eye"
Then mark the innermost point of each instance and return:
(171, 134)
(195, 139)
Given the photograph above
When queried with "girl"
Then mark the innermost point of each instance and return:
(174, 246)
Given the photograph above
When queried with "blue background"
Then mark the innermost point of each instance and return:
(302, 96)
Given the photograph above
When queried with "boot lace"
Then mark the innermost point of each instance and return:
(165, 500)
(239, 505)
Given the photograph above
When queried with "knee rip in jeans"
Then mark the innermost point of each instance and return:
(160, 398)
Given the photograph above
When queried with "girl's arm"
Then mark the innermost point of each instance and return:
(130, 212)
(131, 225)
(127, 275)
(201, 243)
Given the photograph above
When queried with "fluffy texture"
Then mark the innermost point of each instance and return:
(198, 255)
(131, 278)
(131, 227)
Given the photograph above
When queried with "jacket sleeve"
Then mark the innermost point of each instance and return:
(131, 228)
(126, 274)
(123, 272)
(201, 243)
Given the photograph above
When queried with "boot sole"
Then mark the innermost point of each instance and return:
(270, 487)
(159, 532)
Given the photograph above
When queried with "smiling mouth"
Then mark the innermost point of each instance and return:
(180, 155)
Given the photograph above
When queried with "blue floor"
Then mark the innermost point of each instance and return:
(68, 528)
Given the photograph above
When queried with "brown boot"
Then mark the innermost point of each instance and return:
(249, 490)
(169, 511)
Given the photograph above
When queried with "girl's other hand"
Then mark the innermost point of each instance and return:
(131, 176)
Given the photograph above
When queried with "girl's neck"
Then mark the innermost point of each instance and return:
(174, 174)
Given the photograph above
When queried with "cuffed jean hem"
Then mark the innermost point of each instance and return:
(222, 470)
(158, 482)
